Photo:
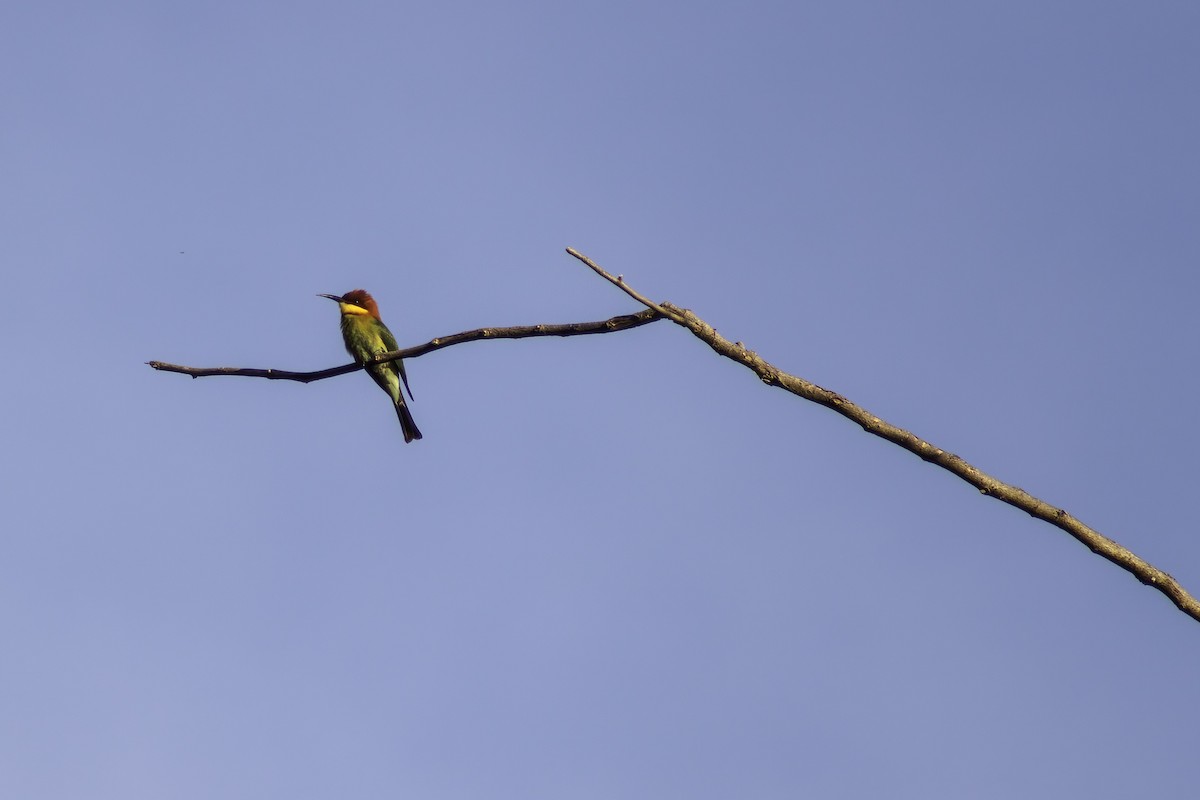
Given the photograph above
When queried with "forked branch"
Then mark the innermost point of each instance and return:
(773, 376)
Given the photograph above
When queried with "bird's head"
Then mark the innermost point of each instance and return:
(357, 302)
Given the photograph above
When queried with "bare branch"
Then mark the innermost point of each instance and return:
(773, 376)
(621, 323)
(619, 282)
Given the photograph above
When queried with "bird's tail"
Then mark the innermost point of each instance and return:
(411, 431)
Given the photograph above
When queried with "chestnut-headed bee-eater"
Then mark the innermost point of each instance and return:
(366, 336)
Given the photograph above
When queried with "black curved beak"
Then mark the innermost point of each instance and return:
(332, 297)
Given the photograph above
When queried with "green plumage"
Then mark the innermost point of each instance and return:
(365, 337)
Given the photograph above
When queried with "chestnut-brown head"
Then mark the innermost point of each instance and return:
(355, 302)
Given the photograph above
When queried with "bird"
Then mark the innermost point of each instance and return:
(366, 336)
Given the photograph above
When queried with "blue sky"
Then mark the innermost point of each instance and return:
(616, 566)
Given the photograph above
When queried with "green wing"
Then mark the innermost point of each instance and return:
(389, 343)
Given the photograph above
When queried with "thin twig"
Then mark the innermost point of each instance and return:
(1096, 542)
(619, 282)
(620, 323)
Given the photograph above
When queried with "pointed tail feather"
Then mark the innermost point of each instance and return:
(411, 431)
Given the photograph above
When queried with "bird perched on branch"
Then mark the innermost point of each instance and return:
(366, 336)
